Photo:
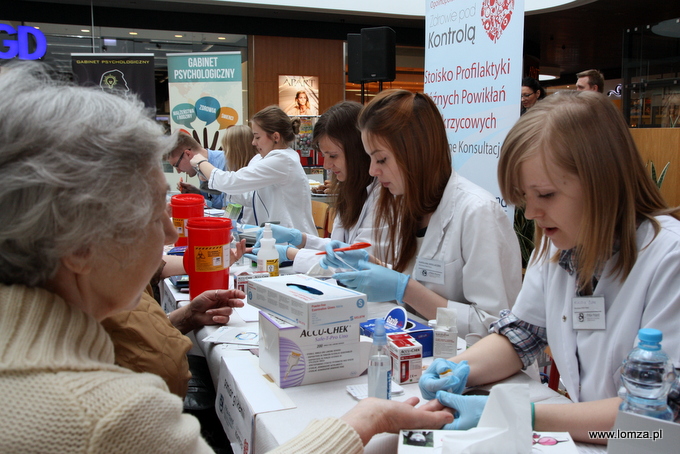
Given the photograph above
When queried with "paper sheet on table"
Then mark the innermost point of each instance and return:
(248, 313)
(505, 425)
(246, 337)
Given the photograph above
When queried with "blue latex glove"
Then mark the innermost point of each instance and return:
(280, 248)
(281, 235)
(377, 282)
(454, 379)
(467, 409)
(351, 257)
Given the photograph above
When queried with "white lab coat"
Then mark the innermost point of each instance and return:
(473, 236)
(589, 361)
(245, 199)
(280, 188)
(362, 231)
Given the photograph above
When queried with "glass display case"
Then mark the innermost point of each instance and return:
(651, 75)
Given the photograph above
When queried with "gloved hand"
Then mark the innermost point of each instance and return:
(377, 282)
(467, 409)
(280, 248)
(281, 235)
(351, 257)
(454, 379)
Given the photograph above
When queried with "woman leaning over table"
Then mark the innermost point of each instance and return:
(354, 190)
(278, 181)
(448, 241)
(604, 233)
(71, 255)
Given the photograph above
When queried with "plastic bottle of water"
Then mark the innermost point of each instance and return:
(379, 364)
(647, 376)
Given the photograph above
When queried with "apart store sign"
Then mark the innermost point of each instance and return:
(20, 45)
(205, 94)
(473, 72)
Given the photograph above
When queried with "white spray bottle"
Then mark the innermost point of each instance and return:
(268, 256)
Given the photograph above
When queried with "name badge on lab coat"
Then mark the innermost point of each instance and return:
(429, 270)
(588, 312)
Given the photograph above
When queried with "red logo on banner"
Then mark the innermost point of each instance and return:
(496, 15)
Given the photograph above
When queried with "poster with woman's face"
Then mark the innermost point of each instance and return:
(299, 95)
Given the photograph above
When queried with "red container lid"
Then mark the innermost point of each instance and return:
(209, 223)
(187, 199)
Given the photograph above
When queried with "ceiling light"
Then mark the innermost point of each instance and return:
(670, 28)
(546, 72)
(179, 36)
(133, 33)
(544, 6)
(85, 30)
(221, 37)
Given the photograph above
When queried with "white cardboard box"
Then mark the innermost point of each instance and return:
(243, 392)
(407, 358)
(307, 302)
(294, 356)
(241, 279)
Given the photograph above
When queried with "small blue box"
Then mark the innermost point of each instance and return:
(421, 333)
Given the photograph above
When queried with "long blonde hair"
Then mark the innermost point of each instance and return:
(585, 135)
(237, 144)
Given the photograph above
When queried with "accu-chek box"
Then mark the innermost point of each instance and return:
(307, 302)
(294, 356)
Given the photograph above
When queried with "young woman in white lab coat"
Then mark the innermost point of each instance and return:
(354, 191)
(604, 233)
(278, 181)
(448, 241)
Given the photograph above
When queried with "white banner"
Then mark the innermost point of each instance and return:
(473, 72)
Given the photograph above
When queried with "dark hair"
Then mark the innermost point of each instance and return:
(339, 124)
(535, 86)
(411, 125)
(272, 119)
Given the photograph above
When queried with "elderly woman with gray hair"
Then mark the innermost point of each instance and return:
(82, 209)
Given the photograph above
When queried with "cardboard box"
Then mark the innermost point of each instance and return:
(307, 302)
(421, 333)
(294, 356)
(243, 392)
(241, 279)
(639, 433)
(407, 358)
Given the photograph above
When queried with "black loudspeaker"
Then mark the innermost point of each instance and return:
(378, 54)
(354, 72)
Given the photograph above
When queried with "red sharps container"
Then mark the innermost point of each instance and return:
(185, 206)
(206, 259)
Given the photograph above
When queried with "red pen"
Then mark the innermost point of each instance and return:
(348, 248)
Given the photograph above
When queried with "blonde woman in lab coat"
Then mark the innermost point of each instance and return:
(605, 234)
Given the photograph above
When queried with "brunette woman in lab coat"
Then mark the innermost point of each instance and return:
(448, 242)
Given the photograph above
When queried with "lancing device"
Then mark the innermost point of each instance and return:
(292, 361)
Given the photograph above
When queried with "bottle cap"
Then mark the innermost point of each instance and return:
(267, 234)
(379, 335)
(650, 335)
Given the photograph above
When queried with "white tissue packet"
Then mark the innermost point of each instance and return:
(505, 426)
